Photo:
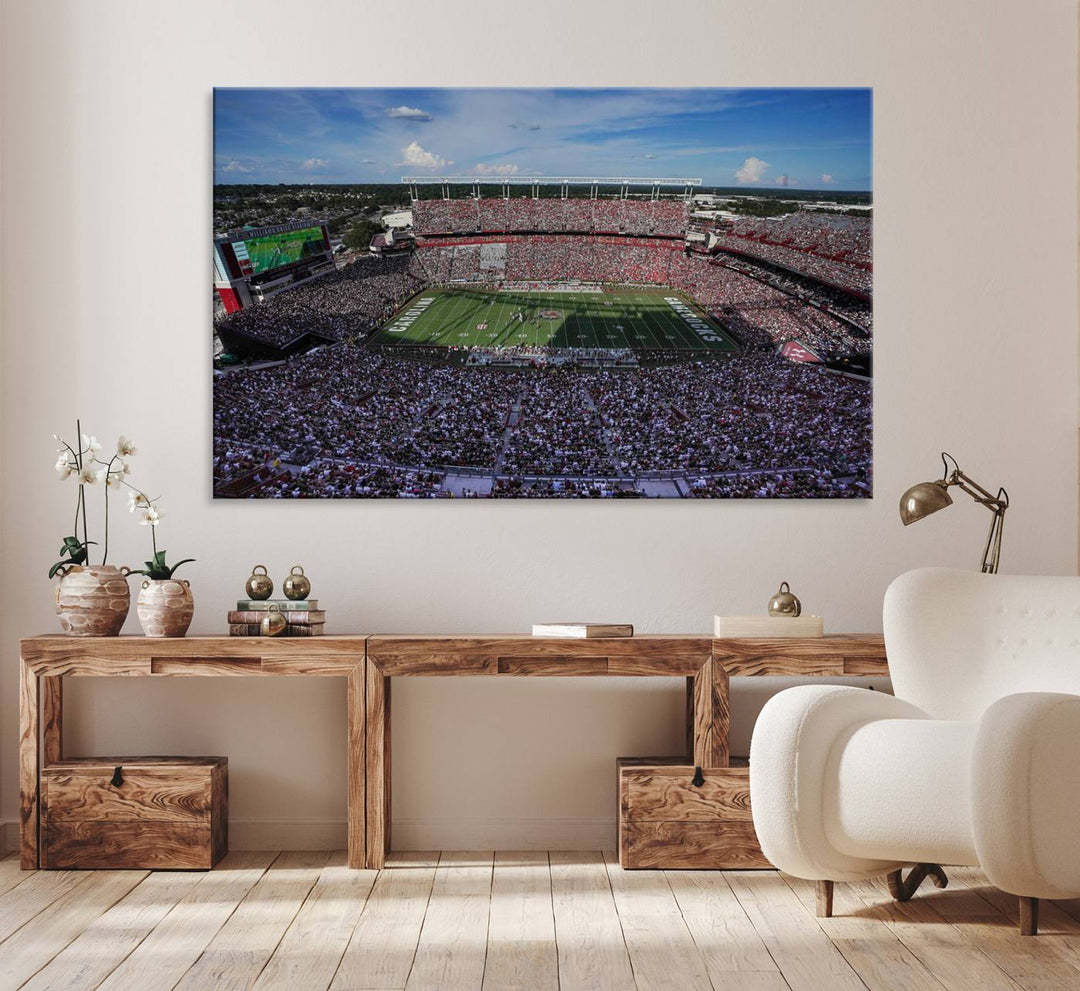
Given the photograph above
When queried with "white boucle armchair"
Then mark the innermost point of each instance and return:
(975, 761)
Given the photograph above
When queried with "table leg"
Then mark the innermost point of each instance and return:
(52, 719)
(29, 776)
(378, 765)
(356, 815)
(710, 715)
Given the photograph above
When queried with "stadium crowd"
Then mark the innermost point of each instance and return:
(407, 422)
(833, 249)
(663, 217)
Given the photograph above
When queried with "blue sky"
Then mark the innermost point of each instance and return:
(755, 138)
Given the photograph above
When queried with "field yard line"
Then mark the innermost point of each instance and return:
(592, 327)
(460, 307)
(654, 325)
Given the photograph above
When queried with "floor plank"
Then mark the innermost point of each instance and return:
(40, 889)
(29, 949)
(453, 941)
(735, 956)
(383, 945)
(662, 950)
(309, 953)
(592, 951)
(521, 951)
(873, 950)
(1048, 962)
(805, 955)
(511, 922)
(242, 946)
(939, 946)
(163, 958)
(103, 945)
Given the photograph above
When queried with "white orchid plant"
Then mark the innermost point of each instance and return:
(85, 463)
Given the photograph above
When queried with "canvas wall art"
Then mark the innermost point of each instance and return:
(524, 293)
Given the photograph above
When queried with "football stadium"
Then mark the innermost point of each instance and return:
(565, 337)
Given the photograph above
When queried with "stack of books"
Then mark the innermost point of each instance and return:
(303, 617)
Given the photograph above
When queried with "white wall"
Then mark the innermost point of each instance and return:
(106, 144)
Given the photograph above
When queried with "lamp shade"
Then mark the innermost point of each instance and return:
(922, 500)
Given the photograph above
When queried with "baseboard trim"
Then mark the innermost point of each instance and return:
(407, 834)
(503, 834)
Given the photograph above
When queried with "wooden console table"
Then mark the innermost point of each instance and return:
(369, 662)
(46, 661)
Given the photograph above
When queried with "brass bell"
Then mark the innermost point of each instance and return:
(296, 586)
(784, 603)
(260, 585)
(274, 622)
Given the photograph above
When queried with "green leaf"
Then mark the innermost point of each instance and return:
(159, 558)
(186, 560)
(56, 567)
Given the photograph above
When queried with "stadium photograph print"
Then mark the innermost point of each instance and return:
(526, 293)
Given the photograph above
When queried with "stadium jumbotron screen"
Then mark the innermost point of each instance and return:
(263, 254)
(546, 322)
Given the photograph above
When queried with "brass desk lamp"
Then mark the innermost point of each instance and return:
(928, 497)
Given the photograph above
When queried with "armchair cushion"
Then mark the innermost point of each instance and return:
(900, 789)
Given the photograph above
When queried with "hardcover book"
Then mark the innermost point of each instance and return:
(295, 617)
(584, 630)
(255, 630)
(285, 605)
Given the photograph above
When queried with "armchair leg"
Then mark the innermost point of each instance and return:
(824, 896)
(1029, 916)
(902, 888)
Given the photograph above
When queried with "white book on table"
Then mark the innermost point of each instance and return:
(582, 630)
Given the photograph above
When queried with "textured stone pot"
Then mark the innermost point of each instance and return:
(165, 607)
(93, 600)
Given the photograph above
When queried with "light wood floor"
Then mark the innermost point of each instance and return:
(536, 921)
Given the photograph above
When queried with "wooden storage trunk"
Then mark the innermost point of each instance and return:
(164, 813)
(667, 821)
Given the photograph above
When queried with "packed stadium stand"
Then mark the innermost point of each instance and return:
(834, 249)
(351, 419)
(661, 218)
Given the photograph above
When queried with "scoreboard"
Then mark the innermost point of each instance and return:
(254, 263)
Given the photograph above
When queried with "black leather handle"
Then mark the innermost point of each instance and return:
(117, 777)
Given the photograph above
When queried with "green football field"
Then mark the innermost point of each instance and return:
(619, 319)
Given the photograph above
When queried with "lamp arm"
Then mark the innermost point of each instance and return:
(998, 503)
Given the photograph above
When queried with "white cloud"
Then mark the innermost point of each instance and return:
(367, 161)
(415, 155)
(753, 170)
(828, 179)
(311, 164)
(505, 168)
(236, 166)
(786, 180)
(409, 113)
